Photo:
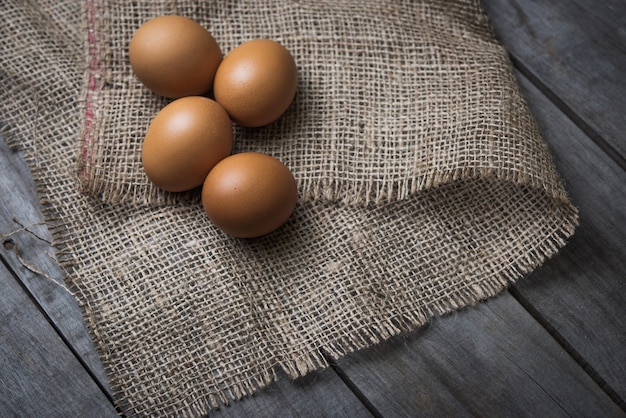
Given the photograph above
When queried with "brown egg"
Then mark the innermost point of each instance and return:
(184, 141)
(249, 194)
(256, 82)
(174, 56)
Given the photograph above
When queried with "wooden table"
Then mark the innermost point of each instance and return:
(553, 345)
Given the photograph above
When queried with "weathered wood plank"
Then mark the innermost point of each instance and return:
(582, 292)
(29, 253)
(492, 359)
(39, 375)
(577, 49)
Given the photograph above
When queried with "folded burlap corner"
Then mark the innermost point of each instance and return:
(425, 186)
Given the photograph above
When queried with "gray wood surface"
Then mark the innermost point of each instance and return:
(555, 345)
(576, 51)
(26, 249)
(40, 375)
(489, 360)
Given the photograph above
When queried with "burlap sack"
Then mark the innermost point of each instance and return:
(424, 187)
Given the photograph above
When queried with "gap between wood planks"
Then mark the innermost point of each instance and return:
(351, 385)
(569, 349)
(67, 343)
(605, 146)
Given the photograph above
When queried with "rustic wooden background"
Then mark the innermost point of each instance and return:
(553, 345)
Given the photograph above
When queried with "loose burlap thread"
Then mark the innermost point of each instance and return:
(424, 187)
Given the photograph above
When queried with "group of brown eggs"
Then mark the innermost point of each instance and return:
(189, 142)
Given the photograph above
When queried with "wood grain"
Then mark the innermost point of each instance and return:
(40, 375)
(576, 50)
(27, 250)
(492, 359)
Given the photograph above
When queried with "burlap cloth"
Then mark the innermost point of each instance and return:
(424, 186)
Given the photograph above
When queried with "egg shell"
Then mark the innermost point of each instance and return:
(174, 56)
(184, 141)
(256, 82)
(249, 194)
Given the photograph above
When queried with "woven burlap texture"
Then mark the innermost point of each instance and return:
(424, 186)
